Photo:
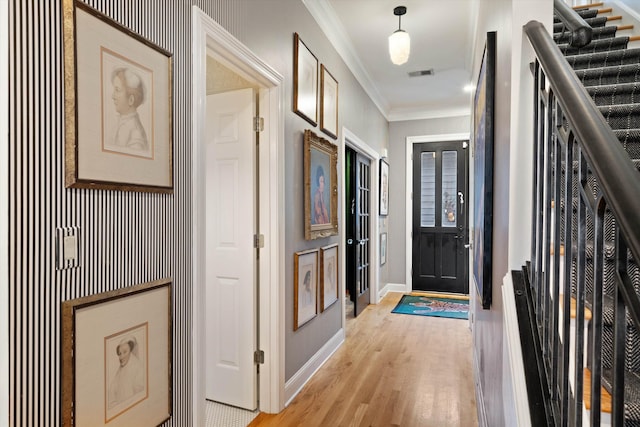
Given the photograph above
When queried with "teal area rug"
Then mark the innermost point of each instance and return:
(433, 306)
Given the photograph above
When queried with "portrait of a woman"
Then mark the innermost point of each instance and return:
(320, 213)
(129, 379)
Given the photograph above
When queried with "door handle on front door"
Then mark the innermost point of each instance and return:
(461, 197)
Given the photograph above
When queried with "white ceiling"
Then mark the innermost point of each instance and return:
(441, 39)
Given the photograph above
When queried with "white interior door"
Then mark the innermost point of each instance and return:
(231, 375)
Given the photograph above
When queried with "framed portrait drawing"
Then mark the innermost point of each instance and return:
(305, 81)
(383, 248)
(384, 188)
(118, 105)
(305, 287)
(328, 103)
(328, 276)
(321, 187)
(483, 108)
(116, 357)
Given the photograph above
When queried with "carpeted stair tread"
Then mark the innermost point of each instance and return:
(604, 59)
(630, 139)
(596, 46)
(624, 93)
(617, 74)
(598, 21)
(631, 396)
(621, 116)
(583, 13)
(596, 34)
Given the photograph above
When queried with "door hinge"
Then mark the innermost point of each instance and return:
(258, 357)
(258, 241)
(258, 124)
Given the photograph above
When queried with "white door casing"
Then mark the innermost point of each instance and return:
(210, 38)
(230, 256)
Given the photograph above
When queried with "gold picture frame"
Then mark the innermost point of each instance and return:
(305, 81)
(329, 279)
(118, 105)
(116, 357)
(328, 103)
(321, 187)
(305, 287)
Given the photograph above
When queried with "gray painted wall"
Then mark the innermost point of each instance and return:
(396, 222)
(269, 27)
(128, 238)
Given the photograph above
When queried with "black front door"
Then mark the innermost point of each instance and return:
(440, 217)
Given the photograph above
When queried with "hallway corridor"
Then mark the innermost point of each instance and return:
(392, 370)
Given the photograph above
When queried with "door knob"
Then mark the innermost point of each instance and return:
(461, 197)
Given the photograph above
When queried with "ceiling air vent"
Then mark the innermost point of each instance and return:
(419, 73)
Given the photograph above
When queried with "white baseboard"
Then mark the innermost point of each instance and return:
(391, 287)
(482, 412)
(300, 378)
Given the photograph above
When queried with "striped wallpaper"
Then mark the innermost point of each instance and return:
(125, 237)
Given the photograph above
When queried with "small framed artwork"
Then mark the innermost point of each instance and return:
(321, 187)
(305, 287)
(328, 103)
(383, 248)
(305, 81)
(328, 276)
(483, 107)
(384, 187)
(116, 357)
(118, 105)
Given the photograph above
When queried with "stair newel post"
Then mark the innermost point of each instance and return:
(596, 319)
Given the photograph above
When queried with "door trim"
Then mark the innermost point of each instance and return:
(211, 38)
(4, 216)
(349, 139)
(410, 140)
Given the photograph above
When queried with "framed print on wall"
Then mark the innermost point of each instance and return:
(328, 103)
(305, 81)
(328, 276)
(305, 287)
(116, 357)
(384, 188)
(483, 108)
(118, 105)
(320, 187)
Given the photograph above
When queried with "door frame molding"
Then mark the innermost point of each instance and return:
(4, 216)
(350, 139)
(410, 141)
(210, 38)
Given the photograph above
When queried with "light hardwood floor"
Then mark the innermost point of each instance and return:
(392, 370)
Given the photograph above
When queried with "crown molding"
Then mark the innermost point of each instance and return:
(401, 115)
(329, 23)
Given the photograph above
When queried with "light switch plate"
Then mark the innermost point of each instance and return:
(67, 247)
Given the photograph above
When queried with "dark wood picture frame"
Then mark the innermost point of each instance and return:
(305, 287)
(483, 113)
(118, 105)
(305, 81)
(320, 197)
(328, 103)
(112, 335)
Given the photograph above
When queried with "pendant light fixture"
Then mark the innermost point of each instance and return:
(399, 41)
